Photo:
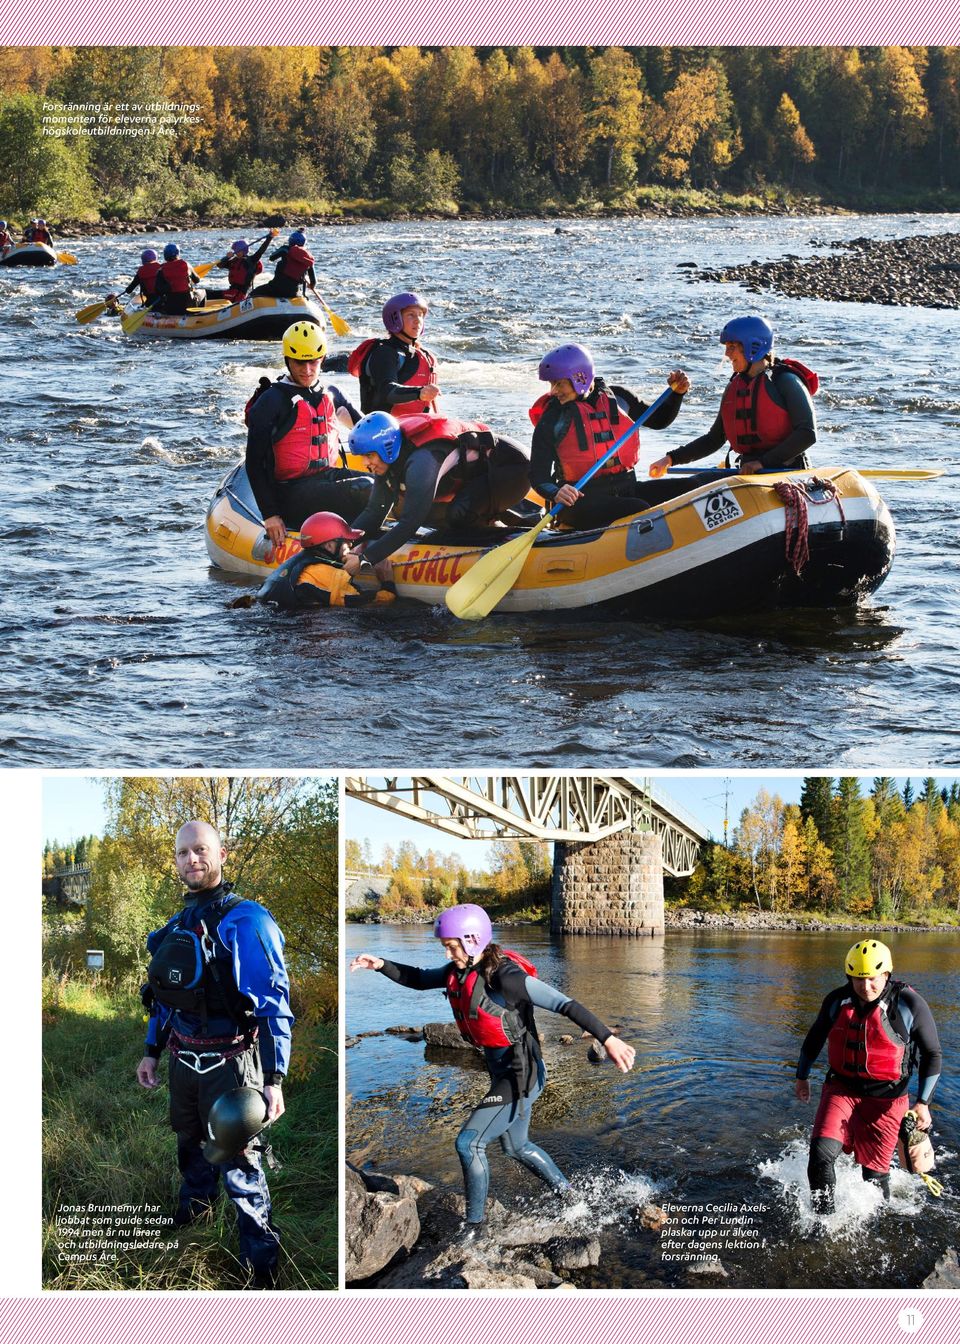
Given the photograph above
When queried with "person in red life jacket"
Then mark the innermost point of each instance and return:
(294, 271)
(145, 278)
(575, 423)
(874, 1029)
(242, 267)
(6, 238)
(493, 993)
(293, 441)
(174, 284)
(37, 232)
(315, 576)
(397, 374)
(766, 414)
(456, 474)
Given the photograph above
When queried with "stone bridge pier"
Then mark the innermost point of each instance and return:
(609, 886)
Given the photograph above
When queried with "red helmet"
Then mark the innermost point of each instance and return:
(321, 527)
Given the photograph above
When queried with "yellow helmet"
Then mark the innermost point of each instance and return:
(867, 959)
(304, 340)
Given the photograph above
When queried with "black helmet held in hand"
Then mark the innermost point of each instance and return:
(235, 1119)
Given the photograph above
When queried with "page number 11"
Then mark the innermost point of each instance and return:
(910, 1320)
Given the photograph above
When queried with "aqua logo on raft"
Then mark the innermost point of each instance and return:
(717, 509)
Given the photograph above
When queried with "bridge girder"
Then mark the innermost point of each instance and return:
(537, 807)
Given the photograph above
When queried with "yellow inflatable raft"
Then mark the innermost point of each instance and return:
(255, 318)
(802, 538)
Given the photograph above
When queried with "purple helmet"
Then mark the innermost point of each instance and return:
(469, 923)
(393, 310)
(568, 361)
(148, 254)
(241, 247)
(755, 334)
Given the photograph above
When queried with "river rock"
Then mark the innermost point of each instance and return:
(415, 1033)
(708, 1269)
(652, 1217)
(446, 1035)
(577, 1253)
(380, 1222)
(946, 1272)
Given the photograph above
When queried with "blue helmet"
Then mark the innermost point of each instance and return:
(297, 238)
(240, 248)
(3, 224)
(377, 433)
(755, 334)
(170, 252)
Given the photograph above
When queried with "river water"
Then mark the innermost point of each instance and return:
(122, 649)
(707, 1119)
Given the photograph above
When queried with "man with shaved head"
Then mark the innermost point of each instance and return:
(219, 1004)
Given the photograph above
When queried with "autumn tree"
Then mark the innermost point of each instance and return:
(792, 145)
(616, 110)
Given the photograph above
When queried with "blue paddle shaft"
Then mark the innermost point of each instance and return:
(615, 447)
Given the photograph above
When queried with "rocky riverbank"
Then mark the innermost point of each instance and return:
(916, 272)
(402, 1232)
(683, 917)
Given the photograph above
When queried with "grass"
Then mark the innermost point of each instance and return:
(107, 1143)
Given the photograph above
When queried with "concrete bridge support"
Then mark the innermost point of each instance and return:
(609, 886)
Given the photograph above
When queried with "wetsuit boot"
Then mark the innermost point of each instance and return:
(881, 1178)
(821, 1173)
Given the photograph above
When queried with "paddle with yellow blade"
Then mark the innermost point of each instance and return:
(92, 311)
(341, 327)
(66, 259)
(491, 578)
(871, 473)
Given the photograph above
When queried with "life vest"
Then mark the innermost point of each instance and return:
(146, 278)
(311, 444)
(752, 421)
(440, 430)
(176, 275)
(262, 386)
(185, 973)
(874, 1046)
(296, 263)
(480, 1020)
(312, 568)
(5, 239)
(417, 369)
(591, 430)
(241, 276)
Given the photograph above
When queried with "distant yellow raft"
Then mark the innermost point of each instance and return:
(255, 318)
(716, 547)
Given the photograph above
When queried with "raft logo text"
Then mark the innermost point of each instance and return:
(718, 509)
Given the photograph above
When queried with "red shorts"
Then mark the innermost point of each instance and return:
(868, 1127)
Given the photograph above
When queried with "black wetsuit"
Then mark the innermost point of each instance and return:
(284, 286)
(788, 391)
(336, 489)
(606, 497)
(517, 1075)
(383, 375)
(486, 488)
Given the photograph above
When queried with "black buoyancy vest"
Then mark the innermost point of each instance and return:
(184, 973)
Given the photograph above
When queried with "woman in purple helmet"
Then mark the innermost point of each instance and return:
(766, 414)
(242, 267)
(397, 374)
(493, 993)
(575, 424)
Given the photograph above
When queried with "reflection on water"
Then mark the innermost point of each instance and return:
(109, 463)
(707, 1117)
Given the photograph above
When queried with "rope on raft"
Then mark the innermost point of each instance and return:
(796, 496)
